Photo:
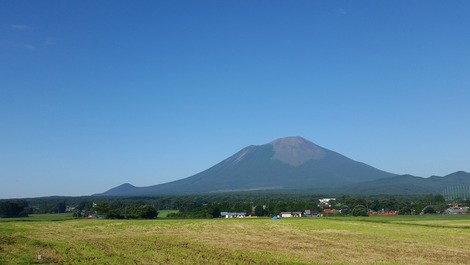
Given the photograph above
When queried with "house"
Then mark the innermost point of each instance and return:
(286, 214)
(310, 213)
(456, 210)
(297, 214)
(233, 214)
(291, 214)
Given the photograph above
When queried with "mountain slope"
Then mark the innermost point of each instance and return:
(407, 184)
(284, 164)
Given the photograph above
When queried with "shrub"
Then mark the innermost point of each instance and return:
(359, 210)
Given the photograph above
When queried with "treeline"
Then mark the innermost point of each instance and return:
(13, 208)
(342, 205)
(210, 205)
(404, 205)
(123, 211)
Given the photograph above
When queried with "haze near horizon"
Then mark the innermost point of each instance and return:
(95, 94)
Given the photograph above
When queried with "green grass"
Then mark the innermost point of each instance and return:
(369, 240)
(461, 221)
(40, 217)
(165, 213)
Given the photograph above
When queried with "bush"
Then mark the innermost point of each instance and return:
(428, 210)
(143, 211)
(360, 210)
(405, 211)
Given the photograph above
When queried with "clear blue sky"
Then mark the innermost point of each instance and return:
(94, 94)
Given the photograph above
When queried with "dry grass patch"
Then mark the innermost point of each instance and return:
(232, 241)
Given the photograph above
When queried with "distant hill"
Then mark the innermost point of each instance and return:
(407, 184)
(291, 163)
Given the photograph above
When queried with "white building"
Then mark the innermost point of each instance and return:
(233, 214)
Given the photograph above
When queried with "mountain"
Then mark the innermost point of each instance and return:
(291, 163)
(122, 189)
(408, 184)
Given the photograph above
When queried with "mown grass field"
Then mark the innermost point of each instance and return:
(59, 239)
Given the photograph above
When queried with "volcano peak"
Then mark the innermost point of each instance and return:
(296, 150)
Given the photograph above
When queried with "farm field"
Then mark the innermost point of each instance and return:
(60, 239)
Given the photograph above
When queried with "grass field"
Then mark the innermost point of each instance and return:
(165, 213)
(60, 239)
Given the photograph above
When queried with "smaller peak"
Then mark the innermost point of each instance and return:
(126, 185)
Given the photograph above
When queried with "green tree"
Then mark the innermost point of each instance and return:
(83, 208)
(404, 211)
(359, 210)
(439, 199)
(352, 202)
(389, 204)
(146, 212)
(61, 206)
(214, 210)
(374, 205)
(279, 207)
(13, 209)
(112, 211)
(259, 211)
(84, 205)
(345, 210)
(428, 210)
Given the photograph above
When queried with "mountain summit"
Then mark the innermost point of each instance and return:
(290, 163)
(296, 150)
